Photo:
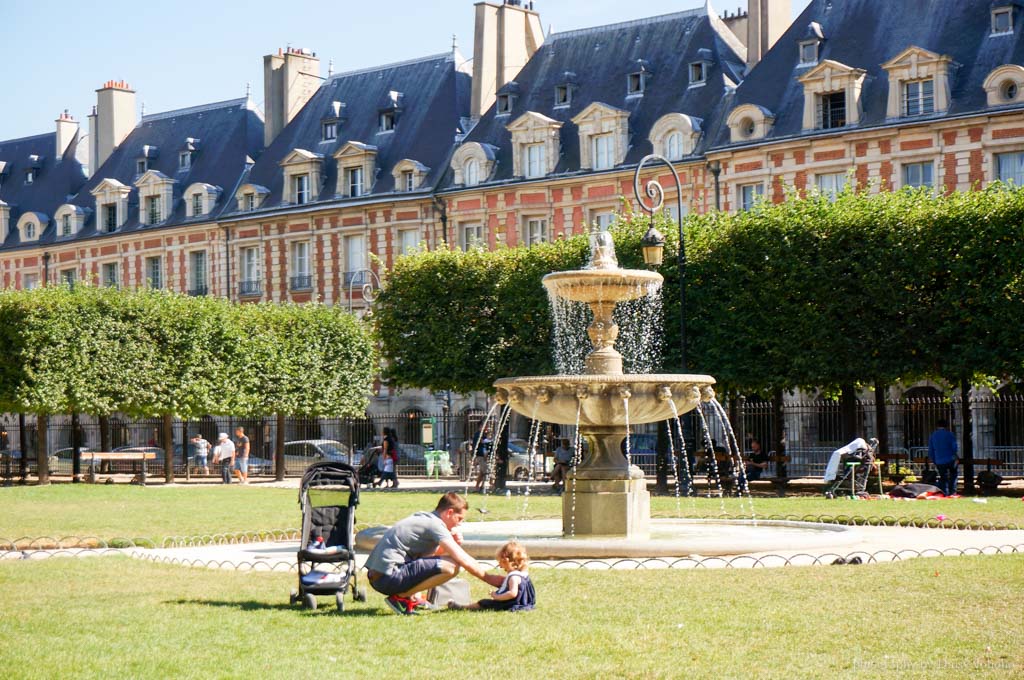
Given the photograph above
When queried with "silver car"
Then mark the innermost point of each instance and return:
(300, 454)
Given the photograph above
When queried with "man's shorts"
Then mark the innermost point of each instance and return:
(242, 464)
(407, 576)
(200, 461)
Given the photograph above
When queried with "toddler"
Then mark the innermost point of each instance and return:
(516, 592)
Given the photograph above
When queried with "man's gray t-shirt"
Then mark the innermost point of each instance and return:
(413, 537)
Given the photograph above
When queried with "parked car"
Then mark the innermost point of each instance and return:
(411, 458)
(298, 455)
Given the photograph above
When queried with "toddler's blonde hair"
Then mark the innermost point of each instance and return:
(515, 553)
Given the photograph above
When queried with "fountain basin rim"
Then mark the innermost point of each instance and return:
(609, 379)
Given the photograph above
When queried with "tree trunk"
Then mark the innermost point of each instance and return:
(104, 433)
(23, 447)
(661, 460)
(881, 417)
(848, 412)
(76, 449)
(279, 449)
(42, 444)
(778, 429)
(168, 437)
(967, 433)
(501, 456)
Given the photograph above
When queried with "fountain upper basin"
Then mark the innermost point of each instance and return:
(601, 399)
(601, 285)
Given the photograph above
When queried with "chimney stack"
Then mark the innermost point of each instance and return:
(767, 21)
(504, 39)
(290, 78)
(111, 120)
(67, 128)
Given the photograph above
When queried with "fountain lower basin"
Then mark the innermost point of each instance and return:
(543, 539)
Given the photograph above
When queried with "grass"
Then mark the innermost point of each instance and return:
(933, 617)
(155, 513)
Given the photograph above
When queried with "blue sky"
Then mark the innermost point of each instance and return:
(188, 52)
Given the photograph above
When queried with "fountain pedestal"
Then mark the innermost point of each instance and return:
(606, 507)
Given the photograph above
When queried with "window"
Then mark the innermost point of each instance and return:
(748, 127)
(110, 217)
(250, 283)
(141, 165)
(918, 97)
(563, 95)
(30, 281)
(809, 52)
(301, 189)
(300, 276)
(329, 130)
(749, 194)
(65, 225)
(603, 220)
(918, 174)
(68, 276)
(1010, 167)
(635, 83)
(533, 160)
(831, 184)
(110, 274)
(197, 204)
(154, 276)
(832, 111)
(197, 281)
(674, 146)
(408, 181)
(30, 230)
(472, 173)
(355, 259)
(249, 201)
(408, 241)
(471, 235)
(504, 104)
(698, 74)
(30, 176)
(602, 151)
(184, 160)
(152, 209)
(1009, 90)
(536, 230)
(387, 121)
(1002, 21)
(354, 181)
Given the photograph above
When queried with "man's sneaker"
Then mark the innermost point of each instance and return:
(420, 603)
(400, 605)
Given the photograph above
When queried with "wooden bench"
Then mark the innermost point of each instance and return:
(986, 488)
(97, 457)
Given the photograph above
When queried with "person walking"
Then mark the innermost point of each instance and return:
(200, 453)
(942, 451)
(242, 455)
(389, 458)
(224, 454)
(483, 451)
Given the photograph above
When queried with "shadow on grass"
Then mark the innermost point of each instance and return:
(253, 605)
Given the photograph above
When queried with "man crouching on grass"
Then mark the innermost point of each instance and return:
(420, 552)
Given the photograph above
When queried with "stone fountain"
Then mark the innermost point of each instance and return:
(609, 494)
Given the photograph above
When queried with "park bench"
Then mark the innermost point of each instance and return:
(987, 483)
(97, 457)
(780, 482)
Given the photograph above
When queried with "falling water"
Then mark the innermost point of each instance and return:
(709, 454)
(476, 444)
(736, 456)
(577, 455)
(531, 453)
(629, 455)
(506, 413)
(686, 462)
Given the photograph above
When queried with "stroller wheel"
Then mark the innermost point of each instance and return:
(293, 597)
(339, 597)
(309, 601)
(360, 594)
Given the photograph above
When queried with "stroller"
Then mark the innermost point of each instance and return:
(328, 495)
(368, 472)
(849, 468)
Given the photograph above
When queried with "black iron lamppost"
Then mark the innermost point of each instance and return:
(653, 242)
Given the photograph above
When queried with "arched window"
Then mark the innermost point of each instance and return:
(674, 146)
(30, 230)
(472, 172)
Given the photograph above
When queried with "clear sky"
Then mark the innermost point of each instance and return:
(178, 53)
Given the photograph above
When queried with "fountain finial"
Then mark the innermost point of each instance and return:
(602, 251)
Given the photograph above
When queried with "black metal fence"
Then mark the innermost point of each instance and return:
(811, 431)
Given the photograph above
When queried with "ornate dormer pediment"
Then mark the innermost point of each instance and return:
(530, 121)
(409, 174)
(109, 185)
(833, 88)
(153, 178)
(357, 168)
(353, 149)
(250, 196)
(604, 135)
(918, 82)
(535, 144)
(831, 74)
(914, 59)
(301, 156)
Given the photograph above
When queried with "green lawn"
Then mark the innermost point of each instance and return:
(154, 513)
(117, 617)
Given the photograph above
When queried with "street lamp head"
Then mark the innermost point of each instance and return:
(653, 245)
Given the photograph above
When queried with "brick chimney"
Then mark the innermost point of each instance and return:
(67, 128)
(290, 78)
(111, 120)
(767, 20)
(505, 37)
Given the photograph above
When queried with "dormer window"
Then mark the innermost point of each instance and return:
(533, 160)
(152, 209)
(109, 217)
(635, 83)
(471, 163)
(354, 180)
(832, 110)
(249, 201)
(197, 204)
(329, 130)
(408, 181)
(30, 176)
(141, 166)
(30, 230)
(563, 95)
(387, 121)
(66, 227)
(918, 97)
(1002, 20)
(301, 188)
(698, 73)
(808, 52)
(184, 160)
(504, 104)
(471, 173)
